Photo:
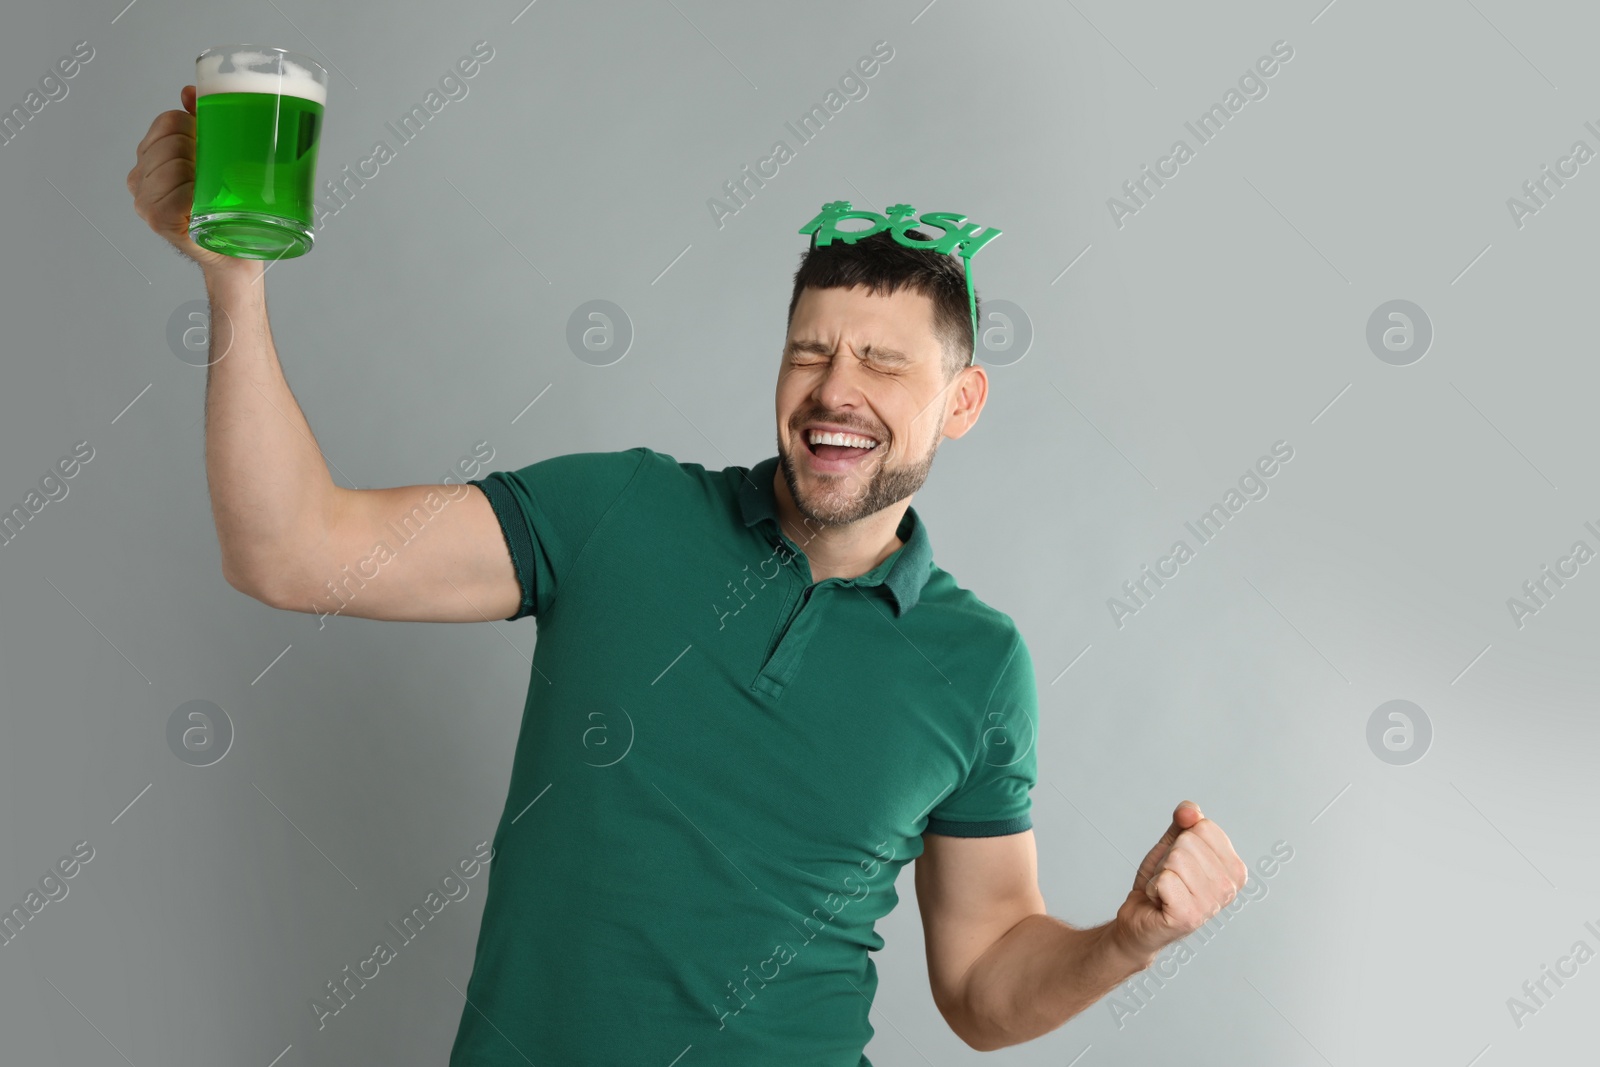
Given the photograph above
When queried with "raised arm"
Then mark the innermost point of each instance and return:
(289, 535)
(1004, 972)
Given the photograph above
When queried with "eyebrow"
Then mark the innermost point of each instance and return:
(876, 353)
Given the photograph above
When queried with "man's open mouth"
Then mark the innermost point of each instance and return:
(837, 448)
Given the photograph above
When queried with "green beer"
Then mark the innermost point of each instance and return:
(258, 116)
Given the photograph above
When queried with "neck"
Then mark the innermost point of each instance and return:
(846, 551)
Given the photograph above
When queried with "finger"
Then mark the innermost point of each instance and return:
(1148, 866)
(162, 177)
(189, 97)
(1151, 863)
(158, 177)
(1150, 891)
(164, 148)
(1173, 896)
(174, 207)
(1167, 861)
(1184, 816)
(161, 125)
(1206, 874)
(172, 146)
(1187, 891)
(165, 123)
(1227, 859)
(1211, 880)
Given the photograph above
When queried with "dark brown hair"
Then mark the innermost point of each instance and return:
(884, 266)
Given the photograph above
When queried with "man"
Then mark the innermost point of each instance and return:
(708, 808)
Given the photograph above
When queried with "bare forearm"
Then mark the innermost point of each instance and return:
(269, 484)
(1039, 974)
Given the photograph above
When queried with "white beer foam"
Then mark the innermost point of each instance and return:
(295, 80)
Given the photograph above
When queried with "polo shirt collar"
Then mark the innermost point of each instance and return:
(904, 572)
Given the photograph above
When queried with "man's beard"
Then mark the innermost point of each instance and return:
(840, 499)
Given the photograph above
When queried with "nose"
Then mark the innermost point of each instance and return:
(842, 387)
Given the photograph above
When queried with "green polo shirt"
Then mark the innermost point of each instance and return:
(722, 767)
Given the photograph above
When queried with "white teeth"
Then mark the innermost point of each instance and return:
(848, 440)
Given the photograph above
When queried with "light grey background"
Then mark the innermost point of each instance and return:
(1229, 313)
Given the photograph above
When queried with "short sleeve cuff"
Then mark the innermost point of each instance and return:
(989, 828)
(518, 540)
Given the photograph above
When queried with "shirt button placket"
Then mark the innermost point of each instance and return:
(781, 666)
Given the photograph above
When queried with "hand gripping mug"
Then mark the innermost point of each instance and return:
(258, 116)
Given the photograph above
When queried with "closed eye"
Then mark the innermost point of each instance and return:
(815, 353)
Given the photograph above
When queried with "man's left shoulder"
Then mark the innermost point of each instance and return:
(952, 605)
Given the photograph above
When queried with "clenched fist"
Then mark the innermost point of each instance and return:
(1191, 874)
(162, 182)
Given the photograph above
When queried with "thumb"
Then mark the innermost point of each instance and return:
(1184, 816)
(187, 97)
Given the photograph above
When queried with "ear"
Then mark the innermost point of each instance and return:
(970, 389)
